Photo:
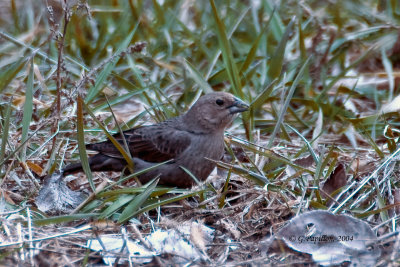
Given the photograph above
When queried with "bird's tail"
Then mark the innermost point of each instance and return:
(97, 163)
(72, 168)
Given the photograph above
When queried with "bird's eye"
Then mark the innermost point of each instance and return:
(219, 102)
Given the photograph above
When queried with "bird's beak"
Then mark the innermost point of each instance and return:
(238, 106)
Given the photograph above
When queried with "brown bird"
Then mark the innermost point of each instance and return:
(188, 141)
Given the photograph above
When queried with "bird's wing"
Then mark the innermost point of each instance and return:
(155, 143)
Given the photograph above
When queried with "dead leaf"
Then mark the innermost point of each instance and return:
(35, 168)
(304, 161)
(336, 180)
(4, 194)
(164, 65)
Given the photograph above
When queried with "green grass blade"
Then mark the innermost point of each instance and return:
(8, 74)
(120, 202)
(227, 54)
(277, 25)
(130, 176)
(134, 206)
(81, 143)
(253, 50)
(198, 78)
(111, 138)
(342, 74)
(63, 219)
(276, 63)
(389, 70)
(118, 99)
(218, 52)
(191, 175)
(5, 127)
(28, 110)
(310, 149)
(260, 99)
(98, 86)
(10, 155)
(168, 201)
(287, 101)
(120, 131)
(302, 46)
(158, 191)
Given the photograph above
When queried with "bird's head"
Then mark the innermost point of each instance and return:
(214, 112)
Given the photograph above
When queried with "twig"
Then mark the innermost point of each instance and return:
(67, 16)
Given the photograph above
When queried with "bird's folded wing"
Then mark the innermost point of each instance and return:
(150, 143)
